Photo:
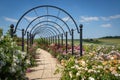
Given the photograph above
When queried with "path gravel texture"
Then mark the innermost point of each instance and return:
(47, 65)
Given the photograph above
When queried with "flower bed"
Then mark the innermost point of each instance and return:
(97, 63)
(13, 62)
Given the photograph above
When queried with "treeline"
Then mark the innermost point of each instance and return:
(110, 37)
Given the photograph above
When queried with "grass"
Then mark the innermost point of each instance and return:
(107, 41)
(113, 41)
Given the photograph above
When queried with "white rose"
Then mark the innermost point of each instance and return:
(91, 78)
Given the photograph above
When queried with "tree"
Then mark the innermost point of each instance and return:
(1, 32)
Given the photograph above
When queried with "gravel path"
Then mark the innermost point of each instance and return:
(46, 67)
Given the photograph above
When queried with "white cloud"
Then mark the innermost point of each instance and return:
(95, 18)
(88, 19)
(57, 27)
(106, 25)
(29, 18)
(66, 19)
(10, 19)
(115, 17)
(105, 18)
(111, 17)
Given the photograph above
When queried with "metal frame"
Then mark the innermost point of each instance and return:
(50, 22)
(48, 16)
(45, 26)
(48, 6)
(51, 32)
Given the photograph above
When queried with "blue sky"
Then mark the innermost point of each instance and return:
(99, 17)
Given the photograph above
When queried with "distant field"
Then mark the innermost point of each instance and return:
(110, 41)
(107, 41)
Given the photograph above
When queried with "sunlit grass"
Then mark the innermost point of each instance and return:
(110, 41)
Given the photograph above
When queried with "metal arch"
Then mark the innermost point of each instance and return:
(50, 22)
(45, 27)
(50, 31)
(46, 34)
(43, 34)
(41, 30)
(49, 16)
(46, 6)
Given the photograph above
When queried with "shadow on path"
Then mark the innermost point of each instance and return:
(45, 69)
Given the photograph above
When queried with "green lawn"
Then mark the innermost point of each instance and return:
(110, 41)
(107, 41)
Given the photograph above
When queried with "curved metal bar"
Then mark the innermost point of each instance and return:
(48, 16)
(47, 30)
(48, 34)
(50, 22)
(45, 34)
(46, 6)
(45, 27)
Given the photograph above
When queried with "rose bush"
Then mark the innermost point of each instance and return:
(95, 64)
(32, 55)
(13, 62)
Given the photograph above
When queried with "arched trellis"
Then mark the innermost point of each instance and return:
(48, 16)
(44, 31)
(50, 22)
(47, 34)
(45, 26)
(46, 6)
(79, 30)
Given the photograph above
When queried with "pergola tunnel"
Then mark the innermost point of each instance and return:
(48, 23)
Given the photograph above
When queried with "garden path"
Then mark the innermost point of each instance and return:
(46, 67)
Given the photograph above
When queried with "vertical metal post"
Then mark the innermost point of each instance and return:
(62, 39)
(49, 40)
(72, 36)
(66, 41)
(22, 39)
(11, 30)
(55, 40)
(58, 40)
(81, 26)
(44, 40)
(27, 41)
(30, 40)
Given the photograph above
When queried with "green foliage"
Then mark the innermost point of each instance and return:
(32, 55)
(90, 67)
(42, 41)
(1, 32)
(95, 41)
(13, 62)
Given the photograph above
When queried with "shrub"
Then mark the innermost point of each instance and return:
(13, 62)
